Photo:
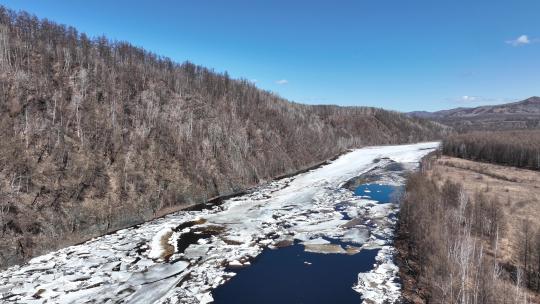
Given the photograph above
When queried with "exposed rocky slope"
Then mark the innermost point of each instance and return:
(98, 135)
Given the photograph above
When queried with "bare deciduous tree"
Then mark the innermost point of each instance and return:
(100, 134)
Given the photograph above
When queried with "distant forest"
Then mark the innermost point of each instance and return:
(99, 135)
(512, 148)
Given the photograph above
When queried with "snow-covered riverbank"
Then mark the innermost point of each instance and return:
(180, 258)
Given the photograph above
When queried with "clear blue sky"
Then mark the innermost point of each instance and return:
(402, 55)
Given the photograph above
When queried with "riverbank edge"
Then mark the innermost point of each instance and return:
(412, 291)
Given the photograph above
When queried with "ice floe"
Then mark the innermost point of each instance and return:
(182, 257)
(381, 284)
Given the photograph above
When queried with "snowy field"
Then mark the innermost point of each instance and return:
(182, 257)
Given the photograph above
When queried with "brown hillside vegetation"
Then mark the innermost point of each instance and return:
(513, 148)
(470, 233)
(98, 135)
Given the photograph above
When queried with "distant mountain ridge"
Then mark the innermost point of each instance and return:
(523, 114)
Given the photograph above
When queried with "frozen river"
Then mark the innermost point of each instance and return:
(185, 256)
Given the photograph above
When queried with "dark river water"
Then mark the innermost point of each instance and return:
(283, 276)
(292, 275)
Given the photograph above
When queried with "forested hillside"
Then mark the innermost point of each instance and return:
(98, 135)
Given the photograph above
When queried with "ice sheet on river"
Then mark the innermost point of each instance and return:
(128, 266)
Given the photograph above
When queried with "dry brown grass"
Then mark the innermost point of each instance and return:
(517, 189)
(518, 194)
(168, 249)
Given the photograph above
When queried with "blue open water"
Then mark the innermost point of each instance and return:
(281, 276)
(377, 192)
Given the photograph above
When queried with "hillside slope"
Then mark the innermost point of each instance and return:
(524, 114)
(99, 135)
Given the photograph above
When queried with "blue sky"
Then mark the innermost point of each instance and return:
(401, 55)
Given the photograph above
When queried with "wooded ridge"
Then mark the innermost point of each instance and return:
(98, 135)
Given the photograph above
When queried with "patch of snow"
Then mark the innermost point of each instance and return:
(317, 241)
(356, 235)
(235, 263)
(156, 247)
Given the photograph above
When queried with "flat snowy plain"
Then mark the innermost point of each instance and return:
(182, 257)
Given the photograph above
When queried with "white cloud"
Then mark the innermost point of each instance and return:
(253, 80)
(519, 41)
(282, 81)
(467, 98)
